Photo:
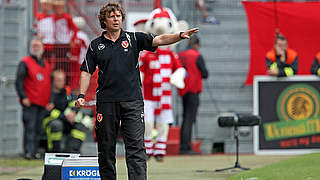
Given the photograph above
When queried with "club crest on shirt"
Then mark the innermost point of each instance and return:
(125, 44)
(101, 46)
(40, 77)
(99, 117)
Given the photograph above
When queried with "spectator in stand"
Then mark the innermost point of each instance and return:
(201, 4)
(315, 68)
(65, 33)
(78, 52)
(194, 63)
(45, 27)
(33, 85)
(281, 61)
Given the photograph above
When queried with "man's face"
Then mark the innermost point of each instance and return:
(281, 45)
(113, 21)
(59, 80)
(58, 9)
(36, 48)
(46, 7)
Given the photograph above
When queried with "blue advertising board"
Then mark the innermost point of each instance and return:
(80, 173)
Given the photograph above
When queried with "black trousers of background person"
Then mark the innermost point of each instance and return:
(132, 128)
(190, 108)
(32, 118)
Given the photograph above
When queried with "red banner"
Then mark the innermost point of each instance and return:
(298, 21)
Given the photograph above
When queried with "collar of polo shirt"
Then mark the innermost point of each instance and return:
(122, 35)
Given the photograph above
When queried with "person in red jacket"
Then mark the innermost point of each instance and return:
(281, 61)
(33, 85)
(196, 69)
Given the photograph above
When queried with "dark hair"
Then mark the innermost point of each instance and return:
(280, 37)
(107, 9)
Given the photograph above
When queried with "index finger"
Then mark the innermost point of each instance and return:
(194, 29)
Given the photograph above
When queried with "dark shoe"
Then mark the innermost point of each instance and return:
(159, 158)
(188, 152)
(28, 156)
(38, 156)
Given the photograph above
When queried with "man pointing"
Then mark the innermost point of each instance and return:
(119, 94)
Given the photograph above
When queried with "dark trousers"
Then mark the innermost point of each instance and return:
(132, 128)
(190, 109)
(32, 121)
(74, 141)
(56, 128)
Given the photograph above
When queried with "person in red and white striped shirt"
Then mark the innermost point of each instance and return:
(65, 29)
(45, 27)
(159, 72)
(157, 69)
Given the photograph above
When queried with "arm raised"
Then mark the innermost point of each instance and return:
(167, 39)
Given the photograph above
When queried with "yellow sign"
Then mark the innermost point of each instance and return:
(298, 102)
(298, 111)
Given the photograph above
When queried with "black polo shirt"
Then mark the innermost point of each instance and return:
(119, 75)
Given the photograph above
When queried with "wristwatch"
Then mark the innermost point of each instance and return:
(181, 36)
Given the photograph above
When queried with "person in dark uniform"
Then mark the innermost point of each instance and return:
(64, 118)
(194, 64)
(33, 86)
(315, 67)
(119, 94)
(281, 61)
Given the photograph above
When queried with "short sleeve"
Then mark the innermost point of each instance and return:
(144, 41)
(89, 64)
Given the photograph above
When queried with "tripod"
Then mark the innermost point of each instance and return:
(237, 164)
